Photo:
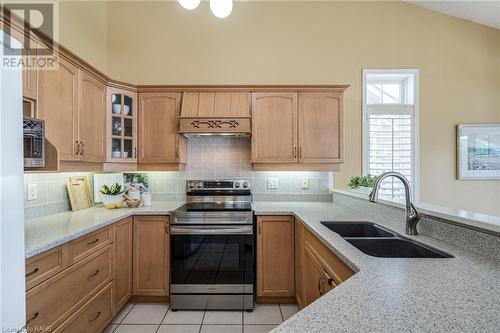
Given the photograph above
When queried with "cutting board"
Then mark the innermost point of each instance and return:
(86, 184)
(77, 195)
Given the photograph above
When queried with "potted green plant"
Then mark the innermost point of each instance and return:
(112, 196)
(362, 184)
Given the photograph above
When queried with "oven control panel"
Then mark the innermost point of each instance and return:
(239, 184)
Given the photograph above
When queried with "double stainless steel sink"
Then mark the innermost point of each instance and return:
(377, 241)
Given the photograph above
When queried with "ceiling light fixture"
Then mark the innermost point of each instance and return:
(189, 4)
(221, 8)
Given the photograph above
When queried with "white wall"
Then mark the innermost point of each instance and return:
(12, 299)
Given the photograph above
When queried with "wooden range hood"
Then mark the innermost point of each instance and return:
(215, 113)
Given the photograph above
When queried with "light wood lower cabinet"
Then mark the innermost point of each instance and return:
(300, 233)
(45, 265)
(316, 280)
(51, 302)
(275, 256)
(93, 316)
(151, 262)
(123, 262)
(318, 269)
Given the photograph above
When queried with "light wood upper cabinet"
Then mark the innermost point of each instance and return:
(30, 77)
(215, 104)
(123, 262)
(91, 119)
(320, 127)
(158, 138)
(121, 126)
(274, 127)
(150, 259)
(58, 106)
(275, 256)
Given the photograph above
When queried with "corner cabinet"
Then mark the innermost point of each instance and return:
(159, 142)
(121, 126)
(317, 269)
(305, 127)
(275, 256)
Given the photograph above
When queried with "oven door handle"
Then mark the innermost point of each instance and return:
(199, 230)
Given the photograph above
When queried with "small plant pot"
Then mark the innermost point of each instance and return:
(112, 199)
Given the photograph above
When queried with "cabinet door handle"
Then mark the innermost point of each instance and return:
(83, 148)
(321, 286)
(93, 242)
(91, 275)
(97, 315)
(32, 272)
(300, 152)
(77, 148)
(32, 318)
(166, 229)
(258, 227)
(294, 152)
(135, 152)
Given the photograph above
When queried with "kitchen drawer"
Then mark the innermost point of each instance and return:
(52, 301)
(93, 316)
(86, 245)
(45, 265)
(333, 264)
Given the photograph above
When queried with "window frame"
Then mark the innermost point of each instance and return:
(415, 128)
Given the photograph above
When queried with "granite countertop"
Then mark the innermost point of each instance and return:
(44, 233)
(458, 294)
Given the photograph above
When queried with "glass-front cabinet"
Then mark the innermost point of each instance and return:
(122, 126)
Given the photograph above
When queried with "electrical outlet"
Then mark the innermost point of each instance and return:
(273, 183)
(305, 183)
(32, 192)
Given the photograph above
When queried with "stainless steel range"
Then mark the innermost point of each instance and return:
(213, 247)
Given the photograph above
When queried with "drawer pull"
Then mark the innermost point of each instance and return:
(32, 272)
(97, 315)
(93, 242)
(33, 318)
(93, 274)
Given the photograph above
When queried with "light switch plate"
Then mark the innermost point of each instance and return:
(32, 192)
(305, 183)
(273, 183)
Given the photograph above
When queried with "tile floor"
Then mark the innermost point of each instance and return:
(158, 318)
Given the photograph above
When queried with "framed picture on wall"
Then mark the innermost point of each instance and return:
(478, 151)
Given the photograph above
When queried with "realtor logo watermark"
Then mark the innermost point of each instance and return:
(21, 51)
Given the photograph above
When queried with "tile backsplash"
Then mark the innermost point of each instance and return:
(208, 157)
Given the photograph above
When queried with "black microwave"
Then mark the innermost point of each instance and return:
(34, 142)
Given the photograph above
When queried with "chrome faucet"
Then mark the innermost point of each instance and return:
(412, 215)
